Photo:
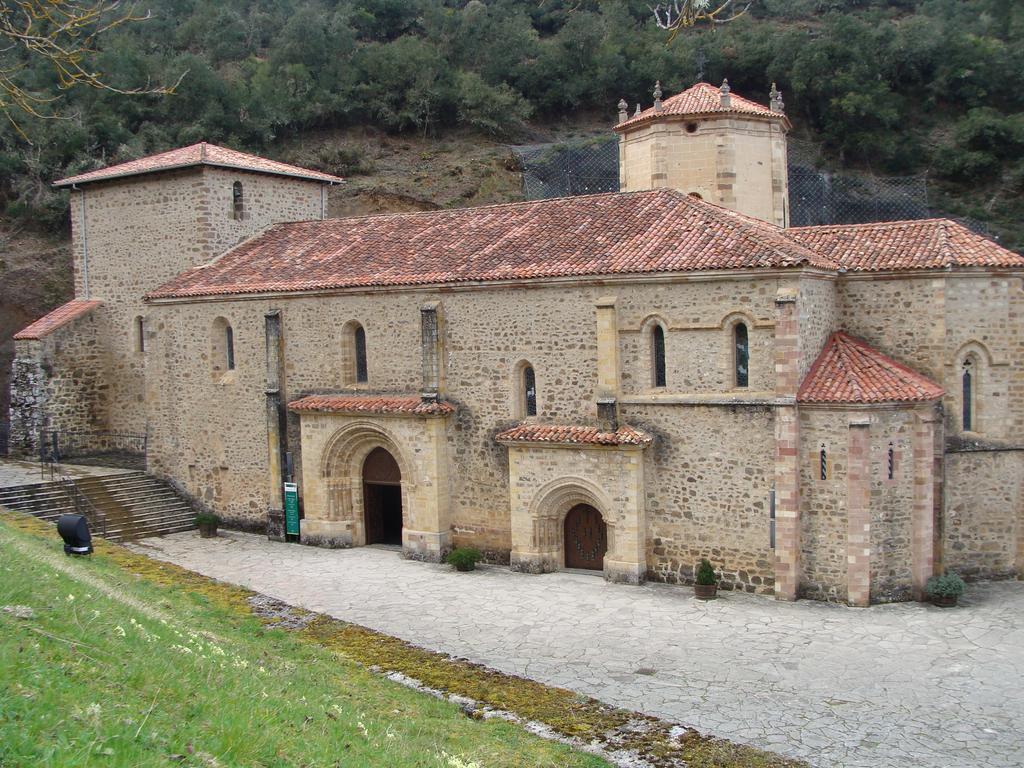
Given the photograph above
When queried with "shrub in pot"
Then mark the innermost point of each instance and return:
(207, 522)
(464, 558)
(706, 581)
(945, 590)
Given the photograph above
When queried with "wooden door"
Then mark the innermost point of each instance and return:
(586, 538)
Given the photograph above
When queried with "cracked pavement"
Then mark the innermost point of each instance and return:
(891, 685)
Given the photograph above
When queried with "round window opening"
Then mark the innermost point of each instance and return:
(691, 127)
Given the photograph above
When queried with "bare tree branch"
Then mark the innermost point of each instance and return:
(675, 15)
(64, 33)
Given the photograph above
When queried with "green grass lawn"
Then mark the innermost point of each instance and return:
(101, 667)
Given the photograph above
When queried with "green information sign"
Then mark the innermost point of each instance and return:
(291, 509)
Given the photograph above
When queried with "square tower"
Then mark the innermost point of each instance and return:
(708, 142)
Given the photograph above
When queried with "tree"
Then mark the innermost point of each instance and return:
(64, 34)
(675, 15)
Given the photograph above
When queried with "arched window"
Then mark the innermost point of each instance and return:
(140, 335)
(237, 201)
(967, 396)
(658, 355)
(359, 345)
(741, 356)
(529, 391)
(222, 347)
(229, 346)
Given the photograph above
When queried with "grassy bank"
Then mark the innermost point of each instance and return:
(100, 667)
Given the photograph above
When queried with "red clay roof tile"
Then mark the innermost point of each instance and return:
(412, 405)
(701, 99)
(59, 317)
(849, 371)
(900, 245)
(638, 232)
(197, 154)
(561, 434)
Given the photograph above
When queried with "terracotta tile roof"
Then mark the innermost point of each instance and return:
(59, 317)
(638, 232)
(548, 433)
(412, 405)
(899, 245)
(701, 99)
(197, 154)
(850, 371)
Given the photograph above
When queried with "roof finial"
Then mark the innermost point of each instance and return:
(638, 110)
(776, 104)
(623, 110)
(657, 96)
(725, 89)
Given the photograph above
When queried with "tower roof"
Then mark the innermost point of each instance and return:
(195, 155)
(702, 99)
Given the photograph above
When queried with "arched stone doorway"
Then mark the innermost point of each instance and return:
(382, 498)
(585, 537)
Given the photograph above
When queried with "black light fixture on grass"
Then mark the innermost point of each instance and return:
(74, 529)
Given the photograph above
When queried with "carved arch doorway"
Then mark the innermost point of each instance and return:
(382, 498)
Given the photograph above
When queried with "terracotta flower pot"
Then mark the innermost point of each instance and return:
(944, 601)
(705, 591)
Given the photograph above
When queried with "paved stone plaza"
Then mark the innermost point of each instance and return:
(896, 685)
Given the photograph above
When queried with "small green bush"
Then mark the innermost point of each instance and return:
(207, 518)
(946, 585)
(706, 573)
(464, 558)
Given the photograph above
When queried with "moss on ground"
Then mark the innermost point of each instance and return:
(567, 713)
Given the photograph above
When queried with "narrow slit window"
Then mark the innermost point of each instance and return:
(823, 461)
(140, 335)
(360, 347)
(237, 201)
(892, 462)
(529, 391)
(658, 355)
(742, 355)
(968, 397)
(229, 347)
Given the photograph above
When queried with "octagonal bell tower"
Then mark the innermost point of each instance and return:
(709, 142)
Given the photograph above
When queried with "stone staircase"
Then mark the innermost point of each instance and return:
(129, 505)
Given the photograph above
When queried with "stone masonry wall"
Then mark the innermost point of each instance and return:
(142, 231)
(60, 383)
(892, 504)
(823, 521)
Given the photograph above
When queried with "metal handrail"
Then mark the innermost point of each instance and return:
(83, 506)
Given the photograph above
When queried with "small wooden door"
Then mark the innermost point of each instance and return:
(586, 538)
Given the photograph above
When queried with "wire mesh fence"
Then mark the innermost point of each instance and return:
(589, 166)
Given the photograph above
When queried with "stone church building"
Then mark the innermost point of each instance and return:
(621, 382)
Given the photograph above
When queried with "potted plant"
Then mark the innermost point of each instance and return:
(207, 522)
(944, 590)
(706, 581)
(464, 558)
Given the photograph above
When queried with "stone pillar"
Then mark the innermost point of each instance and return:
(787, 447)
(780, 176)
(725, 169)
(659, 161)
(607, 348)
(858, 513)
(426, 534)
(922, 555)
(432, 348)
(276, 426)
(28, 399)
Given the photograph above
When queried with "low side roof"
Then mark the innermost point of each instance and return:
(197, 154)
(702, 99)
(618, 233)
(410, 405)
(61, 316)
(903, 245)
(849, 371)
(573, 434)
